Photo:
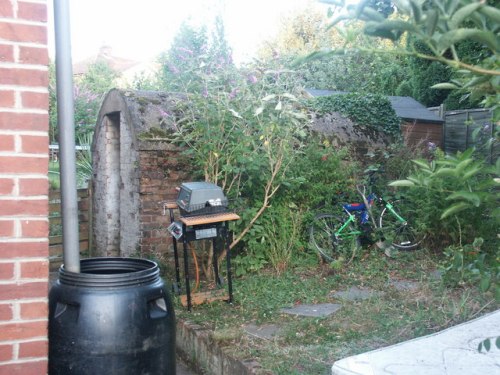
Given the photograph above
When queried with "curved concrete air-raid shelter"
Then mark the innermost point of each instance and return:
(136, 168)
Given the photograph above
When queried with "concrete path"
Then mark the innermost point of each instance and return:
(449, 352)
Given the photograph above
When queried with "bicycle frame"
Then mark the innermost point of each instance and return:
(364, 215)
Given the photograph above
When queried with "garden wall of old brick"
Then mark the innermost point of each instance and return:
(136, 169)
(23, 187)
(162, 170)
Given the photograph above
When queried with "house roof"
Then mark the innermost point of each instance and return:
(118, 64)
(405, 107)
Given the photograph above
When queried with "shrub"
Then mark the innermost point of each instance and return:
(458, 195)
(458, 200)
(320, 174)
(372, 110)
(468, 262)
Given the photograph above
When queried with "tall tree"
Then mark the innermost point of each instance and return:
(99, 78)
(300, 33)
(305, 32)
(188, 49)
(441, 26)
(422, 75)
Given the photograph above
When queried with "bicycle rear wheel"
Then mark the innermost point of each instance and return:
(323, 240)
(404, 235)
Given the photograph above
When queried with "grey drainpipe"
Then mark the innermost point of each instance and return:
(66, 120)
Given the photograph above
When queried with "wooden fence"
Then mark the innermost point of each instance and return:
(55, 220)
(467, 128)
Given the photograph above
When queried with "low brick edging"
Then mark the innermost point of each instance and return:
(195, 345)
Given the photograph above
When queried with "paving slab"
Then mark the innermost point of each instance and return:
(316, 311)
(404, 285)
(449, 352)
(265, 331)
(436, 275)
(357, 294)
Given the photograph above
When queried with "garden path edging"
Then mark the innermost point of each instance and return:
(195, 345)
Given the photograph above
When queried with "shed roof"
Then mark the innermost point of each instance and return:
(408, 108)
(405, 107)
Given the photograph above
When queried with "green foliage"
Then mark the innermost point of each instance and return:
(99, 78)
(319, 175)
(274, 239)
(456, 194)
(384, 7)
(486, 344)
(253, 260)
(86, 107)
(404, 89)
(283, 233)
(310, 345)
(423, 74)
(370, 110)
(143, 81)
(458, 200)
(395, 163)
(54, 180)
(84, 160)
(241, 128)
(300, 33)
(354, 72)
(469, 263)
(442, 26)
(194, 58)
(315, 179)
(88, 93)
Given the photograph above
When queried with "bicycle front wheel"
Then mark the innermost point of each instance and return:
(399, 228)
(332, 247)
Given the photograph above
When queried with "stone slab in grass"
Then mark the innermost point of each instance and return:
(357, 294)
(404, 285)
(265, 331)
(436, 275)
(316, 311)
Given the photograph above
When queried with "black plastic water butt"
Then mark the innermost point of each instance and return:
(114, 317)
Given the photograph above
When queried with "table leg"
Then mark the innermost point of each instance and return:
(186, 267)
(228, 262)
(177, 287)
(215, 263)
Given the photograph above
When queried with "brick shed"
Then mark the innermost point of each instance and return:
(136, 168)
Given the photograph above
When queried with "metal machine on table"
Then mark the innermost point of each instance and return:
(204, 215)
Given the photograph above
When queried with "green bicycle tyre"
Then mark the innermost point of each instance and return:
(322, 237)
(404, 236)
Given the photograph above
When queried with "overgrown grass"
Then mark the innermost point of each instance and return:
(311, 345)
(54, 181)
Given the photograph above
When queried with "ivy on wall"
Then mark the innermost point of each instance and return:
(371, 110)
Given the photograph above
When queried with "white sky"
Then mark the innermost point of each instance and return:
(140, 30)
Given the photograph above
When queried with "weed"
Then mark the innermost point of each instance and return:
(311, 345)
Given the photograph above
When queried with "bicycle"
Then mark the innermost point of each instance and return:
(335, 236)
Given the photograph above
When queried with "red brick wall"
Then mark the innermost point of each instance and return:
(161, 172)
(23, 187)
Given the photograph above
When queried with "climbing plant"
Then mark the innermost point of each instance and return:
(371, 110)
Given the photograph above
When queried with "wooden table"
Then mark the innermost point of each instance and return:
(203, 227)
